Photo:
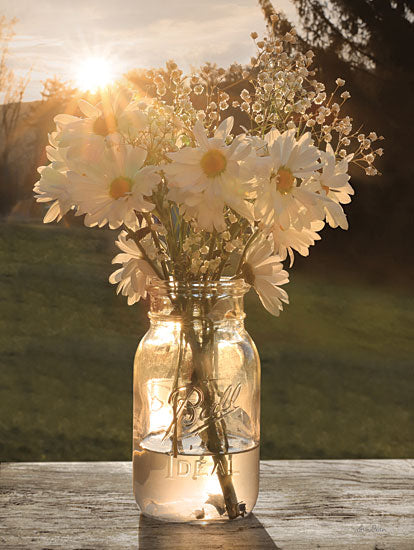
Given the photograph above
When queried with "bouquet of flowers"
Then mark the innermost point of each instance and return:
(198, 197)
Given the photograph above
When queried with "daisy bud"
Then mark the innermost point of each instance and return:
(345, 95)
(340, 82)
(254, 35)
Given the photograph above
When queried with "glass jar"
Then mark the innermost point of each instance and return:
(196, 425)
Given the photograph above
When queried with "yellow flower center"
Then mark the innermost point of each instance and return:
(213, 163)
(248, 274)
(285, 180)
(120, 187)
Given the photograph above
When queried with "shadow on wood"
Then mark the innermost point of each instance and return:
(247, 533)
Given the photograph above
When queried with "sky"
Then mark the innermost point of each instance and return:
(54, 37)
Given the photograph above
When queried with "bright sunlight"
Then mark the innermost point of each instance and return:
(94, 73)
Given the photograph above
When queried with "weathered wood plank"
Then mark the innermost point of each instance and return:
(338, 504)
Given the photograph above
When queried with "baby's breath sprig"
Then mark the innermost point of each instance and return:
(283, 93)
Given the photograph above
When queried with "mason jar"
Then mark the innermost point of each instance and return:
(196, 423)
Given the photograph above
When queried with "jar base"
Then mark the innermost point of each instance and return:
(186, 488)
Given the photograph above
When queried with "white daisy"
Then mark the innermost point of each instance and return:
(264, 271)
(211, 176)
(115, 114)
(290, 239)
(53, 186)
(334, 177)
(111, 190)
(56, 154)
(280, 197)
(135, 274)
(332, 183)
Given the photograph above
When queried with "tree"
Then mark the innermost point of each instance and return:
(12, 91)
(55, 89)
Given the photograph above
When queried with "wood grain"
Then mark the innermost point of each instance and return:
(338, 504)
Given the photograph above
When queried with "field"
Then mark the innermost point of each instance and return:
(337, 372)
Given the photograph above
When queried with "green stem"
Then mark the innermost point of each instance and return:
(181, 352)
(201, 376)
(157, 242)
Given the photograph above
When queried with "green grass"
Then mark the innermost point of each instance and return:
(337, 371)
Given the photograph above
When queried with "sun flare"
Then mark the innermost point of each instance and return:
(94, 73)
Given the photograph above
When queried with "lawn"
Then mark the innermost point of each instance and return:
(337, 373)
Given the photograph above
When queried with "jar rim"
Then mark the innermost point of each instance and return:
(223, 285)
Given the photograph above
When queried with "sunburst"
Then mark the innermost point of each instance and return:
(94, 73)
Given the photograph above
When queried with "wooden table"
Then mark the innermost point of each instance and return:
(303, 504)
